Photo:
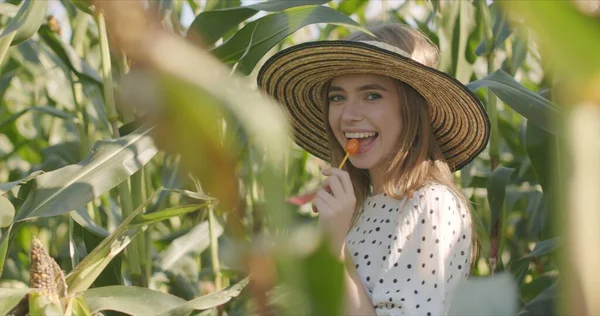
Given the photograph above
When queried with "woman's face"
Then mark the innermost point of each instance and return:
(365, 107)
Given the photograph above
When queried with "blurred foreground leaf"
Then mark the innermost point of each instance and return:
(485, 296)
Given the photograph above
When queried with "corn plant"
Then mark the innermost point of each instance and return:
(142, 173)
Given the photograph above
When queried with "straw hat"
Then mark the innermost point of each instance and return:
(296, 77)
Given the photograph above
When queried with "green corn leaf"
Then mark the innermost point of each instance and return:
(42, 109)
(9, 298)
(5, 187)
(26, 21)
(496, 189)
(7, 212)
(69, 56)
(195, 241)
(543, 304)
(210, 300)
(79, 308)
(268, 31)
(532, 106)
(148, 219)
(545, 247)
(4, 249)
(210, 26)
(85, 6)
(23, 25)
(108, 164)
(130, 300)
(41, 304)
(86, 272)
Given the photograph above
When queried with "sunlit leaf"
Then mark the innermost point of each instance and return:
(80, 308)
(9, 298)
(84, 5)
(7, 211)
(41, 304)
(210, 300)
(130, 300)
(212, 25)
(191, 194)
(69, 56)
(271, 29)
(26, 21)
(108, 164)
(83, 218)
(195, 241)
(147, 219)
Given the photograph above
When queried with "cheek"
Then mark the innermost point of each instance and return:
(390, 127)
(333, 117)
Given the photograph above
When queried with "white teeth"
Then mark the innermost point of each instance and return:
(360, 135)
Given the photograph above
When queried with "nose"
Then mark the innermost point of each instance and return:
(353, 112)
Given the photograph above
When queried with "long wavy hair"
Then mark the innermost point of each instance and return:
(417, 159)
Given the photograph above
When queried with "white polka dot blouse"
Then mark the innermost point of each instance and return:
(411, 254)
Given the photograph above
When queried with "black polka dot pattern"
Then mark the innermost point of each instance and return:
(406, 266)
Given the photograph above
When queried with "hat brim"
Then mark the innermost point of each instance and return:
(296, 77)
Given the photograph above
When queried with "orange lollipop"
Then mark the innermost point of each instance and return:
(351, 149)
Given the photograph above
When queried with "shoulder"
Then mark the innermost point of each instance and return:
(435, 190)
(437, 195)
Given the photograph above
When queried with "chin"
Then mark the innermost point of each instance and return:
(363, 163)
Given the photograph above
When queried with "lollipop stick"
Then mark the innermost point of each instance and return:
(344, 161)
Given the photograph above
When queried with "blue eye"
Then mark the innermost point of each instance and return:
(333, 98)
(378, 96)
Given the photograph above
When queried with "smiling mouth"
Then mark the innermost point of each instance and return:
(364, 139)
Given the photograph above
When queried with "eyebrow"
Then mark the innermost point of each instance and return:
(373, 86)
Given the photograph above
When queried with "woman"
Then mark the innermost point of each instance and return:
(393, 211)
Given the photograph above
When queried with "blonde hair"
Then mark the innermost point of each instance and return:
(417, 159)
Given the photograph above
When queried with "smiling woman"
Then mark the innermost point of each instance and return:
(393, 212)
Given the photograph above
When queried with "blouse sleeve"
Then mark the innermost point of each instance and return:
(428, 256)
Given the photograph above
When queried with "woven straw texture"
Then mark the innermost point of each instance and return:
(296, 77)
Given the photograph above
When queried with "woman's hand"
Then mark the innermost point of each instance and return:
(335, 203)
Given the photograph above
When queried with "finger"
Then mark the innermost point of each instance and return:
(336, 186)
(343, 176)
(326, 186)
(322, 207)
(327, 198)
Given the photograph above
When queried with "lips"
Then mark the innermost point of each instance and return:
(365, 143)
(365, 139)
